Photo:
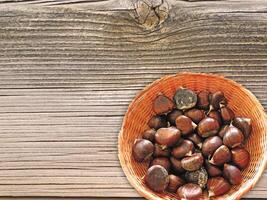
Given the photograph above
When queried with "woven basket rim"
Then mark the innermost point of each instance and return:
(137, 97)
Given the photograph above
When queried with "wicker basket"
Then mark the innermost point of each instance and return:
(241, 101)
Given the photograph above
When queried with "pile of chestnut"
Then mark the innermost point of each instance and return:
(194, 143)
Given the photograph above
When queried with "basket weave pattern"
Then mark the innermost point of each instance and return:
(240, 100)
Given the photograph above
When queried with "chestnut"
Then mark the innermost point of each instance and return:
(208, 127)
(203, 100)
(174, 183)
(149, 135)
(162, 104)
(221, 155)
(196, 139)
(185, 99)
(217, 99)
(142, 150)
(171, 116)
(210, 145)
(199, 177)
(223, 130)
(161, 151)
(184, 148)
(212, 169)
(190, 191)
(218, 186)
(158, 121)
(244, 124)
(157, 178)
(195, 114)
(240, 157)
(167, 136)
(185, 124)
(233, 137)
(227, 114)
(232, 173)
(162, 161)
(177, 165)
(193, 162)
(215, 115)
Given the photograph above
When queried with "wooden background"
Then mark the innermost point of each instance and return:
(69, 69)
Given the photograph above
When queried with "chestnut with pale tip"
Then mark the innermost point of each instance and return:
(161, 151)
(203, 100)
(142, 150)
(167, 136)
(227, 114)
(177, 165)
(210, 145)
(244, 124)
(158, 121)
(208, 127)
(232, 173)
(217, 99)
(195, 115)
(233, 137)
(196, 139)
(174, 183)
(199, 177)
(162, 104)
(212, 169)
(184, 148)
(185, 99)
(218, 186)
(149, 135)
(157, 178)
(240, 157)
(221, 155)
(193, 162)
(162, 161)
(185, 124)
(215, 115)
(171, 116)
(189, 191)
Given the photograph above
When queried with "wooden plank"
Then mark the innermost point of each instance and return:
(68, 73)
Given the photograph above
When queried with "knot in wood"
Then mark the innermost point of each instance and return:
(151, 13)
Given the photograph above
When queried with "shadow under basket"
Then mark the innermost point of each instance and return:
(240, 100)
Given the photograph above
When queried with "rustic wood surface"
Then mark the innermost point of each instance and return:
(69, 69)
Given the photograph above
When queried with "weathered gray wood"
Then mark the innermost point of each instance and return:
(68, 73)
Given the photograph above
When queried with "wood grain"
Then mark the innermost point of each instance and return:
(68, 73)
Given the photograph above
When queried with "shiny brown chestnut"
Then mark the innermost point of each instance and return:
(185, 124)
(233, 137)
(215, 115)
(167, 136)
(177, 165)
(244, 124)
(212, 169)
(203, 100)
(184, 148)
(149, 135)
(217, 99)
(208, 127)
(223, 130)
(174, 183)
(157, 178)
(195, 115)
(190, 191)
(193, 162)
(158, 121)
(221, 155)
(227, 114)
(196, 139)
(185, 99)
(218, 186)
(142, 150)
(199, 177)
(240, 157)
(162, 104)
(210, 145)
(162, 161)
(232, 173)
(171, 116)
(161, 151)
